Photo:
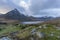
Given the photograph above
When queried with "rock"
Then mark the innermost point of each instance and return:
(33, 31)
(58, 36)
(51, 34)
(40, 27)
(40, 34)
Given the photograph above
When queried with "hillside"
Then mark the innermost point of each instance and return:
(45, 18)
(13, 16)
(55, 21)
(16, 15)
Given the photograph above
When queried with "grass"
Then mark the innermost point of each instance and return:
(9, 29)
(50, 30)
(26, 31)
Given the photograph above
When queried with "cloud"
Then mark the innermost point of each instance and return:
(8, 5)
(45, 7)
(4, 7)
(33, 7)
(25, 4)
(51, 12)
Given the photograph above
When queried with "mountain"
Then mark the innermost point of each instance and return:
(16, 15)
(45, 18)
(55, 21)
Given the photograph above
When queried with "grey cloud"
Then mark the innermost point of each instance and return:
(11, 5)
(38, 5)
(35, 7)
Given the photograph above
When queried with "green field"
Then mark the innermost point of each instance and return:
(51, 32)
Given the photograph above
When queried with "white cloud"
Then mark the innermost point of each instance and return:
(23, 4)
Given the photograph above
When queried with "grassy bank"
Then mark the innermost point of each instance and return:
(51, 32)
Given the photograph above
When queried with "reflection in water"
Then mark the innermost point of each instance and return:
(32, 22)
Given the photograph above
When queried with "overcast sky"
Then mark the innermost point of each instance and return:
(36, 8)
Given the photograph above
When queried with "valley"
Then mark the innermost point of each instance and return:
(16, 26)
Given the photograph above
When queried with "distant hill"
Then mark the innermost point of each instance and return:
(45, 18)
(55, 21)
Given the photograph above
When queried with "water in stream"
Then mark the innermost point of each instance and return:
(32, 22)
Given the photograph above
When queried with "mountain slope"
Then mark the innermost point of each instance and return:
(55, 21)
(16, 15)
(43, 18)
